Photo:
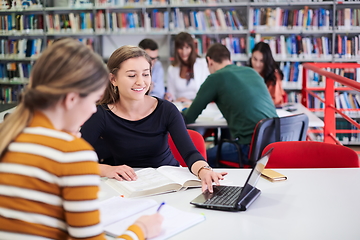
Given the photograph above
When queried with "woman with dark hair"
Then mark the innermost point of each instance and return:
(187, 72)
(263, 62)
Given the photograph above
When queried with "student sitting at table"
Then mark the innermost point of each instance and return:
(241, 96)
(49, 177)
(263, 62)
(188, 71)
(157, 88)
(135, 126)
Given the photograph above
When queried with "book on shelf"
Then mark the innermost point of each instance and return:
(296, 46)
(118, 213)
(151, 181)
(297, 19)
(208, 20)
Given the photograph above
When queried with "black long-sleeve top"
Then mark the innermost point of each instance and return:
(141, 143)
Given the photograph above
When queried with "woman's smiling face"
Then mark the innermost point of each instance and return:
(133, 79)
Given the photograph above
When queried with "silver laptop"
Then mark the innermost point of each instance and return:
(234, 198)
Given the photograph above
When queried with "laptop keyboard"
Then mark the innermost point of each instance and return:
(227, 196)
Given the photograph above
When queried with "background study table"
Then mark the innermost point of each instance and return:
(311, 204)
(211, 116)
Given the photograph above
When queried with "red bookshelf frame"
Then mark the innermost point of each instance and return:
(329, 100)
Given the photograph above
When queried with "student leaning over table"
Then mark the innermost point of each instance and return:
(135, 126)
(49, 177)
(240, 94)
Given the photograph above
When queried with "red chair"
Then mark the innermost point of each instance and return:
(309, 154)
(198, 141)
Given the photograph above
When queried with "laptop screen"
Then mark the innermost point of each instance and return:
(255, 174)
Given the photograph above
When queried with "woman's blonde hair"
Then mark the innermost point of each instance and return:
(119, 56)
(66, 66)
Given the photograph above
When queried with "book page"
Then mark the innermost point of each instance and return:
(181, 175)
(175, 221)
(118, 208)
(149, 182)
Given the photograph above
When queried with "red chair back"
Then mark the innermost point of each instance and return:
(309, 154)
(198, 141)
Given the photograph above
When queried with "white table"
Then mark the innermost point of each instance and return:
(211, 116)
(4, 112)
(311, 204)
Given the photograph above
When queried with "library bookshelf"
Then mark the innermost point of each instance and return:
(297, 31)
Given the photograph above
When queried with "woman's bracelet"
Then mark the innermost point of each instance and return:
(207, 167)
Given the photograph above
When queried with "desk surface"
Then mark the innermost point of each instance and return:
(211, 115)
(311, 204)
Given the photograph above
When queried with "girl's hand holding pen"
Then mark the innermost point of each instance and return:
(150, 224)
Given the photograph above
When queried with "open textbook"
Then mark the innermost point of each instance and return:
(117, 214)
(154, 181)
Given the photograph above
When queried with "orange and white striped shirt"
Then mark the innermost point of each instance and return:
(49, 183)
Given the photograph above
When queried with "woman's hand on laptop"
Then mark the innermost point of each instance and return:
(208, 177)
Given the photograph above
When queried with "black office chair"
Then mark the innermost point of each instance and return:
(269, 130)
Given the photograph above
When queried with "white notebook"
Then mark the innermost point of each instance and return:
(117, 214)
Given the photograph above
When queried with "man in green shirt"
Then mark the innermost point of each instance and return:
(242, 97)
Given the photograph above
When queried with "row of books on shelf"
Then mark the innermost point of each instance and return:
(11, 73)
(236, 45)
(10, 94)
(71, 22)
(20, 48)
(293, 74)
(30, 48)
(316, 80)
(209, 19)
(278, 18)
(36, 4)
(289, 1)
(296, 46)
(349, 103)
(20, 4)
(33, 23)
(20, 23)
(114, 3)
(310, 47)
(132, 21)
(293, 96)
(348, 18)
(118, 3)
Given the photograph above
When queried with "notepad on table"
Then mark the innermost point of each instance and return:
(117, 214)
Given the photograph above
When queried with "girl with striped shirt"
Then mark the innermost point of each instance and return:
(49, 177)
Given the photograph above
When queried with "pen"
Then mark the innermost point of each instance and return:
(162, 204)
